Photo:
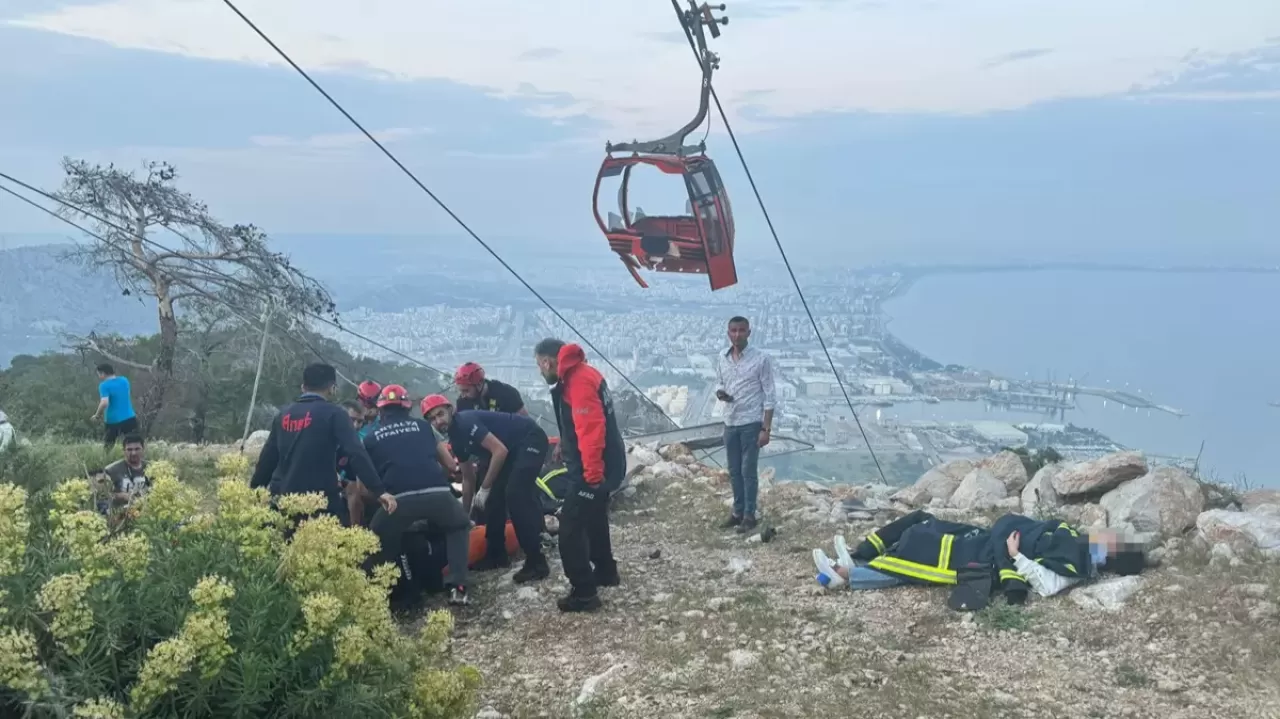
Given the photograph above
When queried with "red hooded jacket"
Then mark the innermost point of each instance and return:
(590, 439)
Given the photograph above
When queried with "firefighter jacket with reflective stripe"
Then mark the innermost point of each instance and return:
(922, 548)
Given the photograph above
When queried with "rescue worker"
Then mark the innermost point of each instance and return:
(367, 393)
(409, 459)
(595, 461)
(514, 447)
(1018, 553)
(475, 391)
(302, 448)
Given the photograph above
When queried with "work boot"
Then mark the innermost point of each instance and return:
(607, 575)
(733, 521)
(535, 568)
(747, 525)
(491, 562)
(576, 602)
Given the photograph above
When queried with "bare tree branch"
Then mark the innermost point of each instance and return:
(90, 343)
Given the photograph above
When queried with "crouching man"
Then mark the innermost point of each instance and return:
(512, 447)
(409, 460)
(1017, 554)
(595, 462)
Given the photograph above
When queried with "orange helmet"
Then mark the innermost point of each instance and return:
(433, 401)
(367, 392)
(469, 374)
(394, 395)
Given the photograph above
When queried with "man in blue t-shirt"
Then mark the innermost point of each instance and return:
(514, 447)
(115, 406)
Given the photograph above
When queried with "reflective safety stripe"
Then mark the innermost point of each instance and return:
(876, 542)
(1071, 568)
(944, 551)
(1064, 525)
(915, 570)
(1009, 574)
(542, 482)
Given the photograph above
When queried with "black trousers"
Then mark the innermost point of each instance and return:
(514, 493)
(584, 536)
(443, 513)
(117, 430)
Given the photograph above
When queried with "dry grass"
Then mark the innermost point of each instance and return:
(1197, 641)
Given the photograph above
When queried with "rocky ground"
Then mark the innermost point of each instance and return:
(711, 624)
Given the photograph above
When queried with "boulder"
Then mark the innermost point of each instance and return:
(1099, 475)
(643, 455)
(1039, 498)
(1083, 516)
(937, 483)
(978, 490)
(1107, 595)
(1241, 530)
(1252, 500)
(1008, 468)
(672, 452)
(257, 440)
(1165, 501)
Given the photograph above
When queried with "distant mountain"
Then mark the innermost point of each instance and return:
(43, 296)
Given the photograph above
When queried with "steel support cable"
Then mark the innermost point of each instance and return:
(248, 289)
(421, 186)
(724, 118)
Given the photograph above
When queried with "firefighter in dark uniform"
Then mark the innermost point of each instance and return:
(920, 548)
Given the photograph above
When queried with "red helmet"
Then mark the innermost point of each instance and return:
(368, 391)
(469, 374)
(432, 401)
(394, 395)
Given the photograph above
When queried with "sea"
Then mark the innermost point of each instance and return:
(1205, 343)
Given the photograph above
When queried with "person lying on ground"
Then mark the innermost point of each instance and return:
(1018, 553)
(408, 458)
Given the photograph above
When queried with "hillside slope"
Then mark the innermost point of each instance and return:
(43, 296)
(708, 624)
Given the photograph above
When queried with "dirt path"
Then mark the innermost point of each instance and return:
(707, 624)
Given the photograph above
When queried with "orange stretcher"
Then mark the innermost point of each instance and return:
(476, 547)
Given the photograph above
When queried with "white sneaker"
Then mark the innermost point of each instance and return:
(842, 552)
(827, 576)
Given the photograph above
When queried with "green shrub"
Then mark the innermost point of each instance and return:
(239, 611)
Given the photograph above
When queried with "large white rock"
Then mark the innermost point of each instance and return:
(1039, 498)
(1165, 501)
(978, 490)
(1107, 595)
(1241, 530)
(1008, 468)
(937, 483)
(1099, 475)
(257, 440)
(643, 455)
(1253, 499)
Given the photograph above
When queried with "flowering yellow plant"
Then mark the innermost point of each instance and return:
(247, 574)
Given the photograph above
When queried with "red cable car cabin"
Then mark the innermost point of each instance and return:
(700, 241)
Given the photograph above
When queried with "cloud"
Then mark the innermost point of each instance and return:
(339, 140)
(1017, 56)
(539, 53)
(913, 56)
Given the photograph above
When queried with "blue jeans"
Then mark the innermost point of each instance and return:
(742, 449)
(861, 577)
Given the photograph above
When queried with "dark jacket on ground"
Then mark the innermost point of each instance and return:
(922, 548)
(403, 450)
(591, 443)
(301, 453)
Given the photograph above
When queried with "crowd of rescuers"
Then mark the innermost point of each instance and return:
(383, 468)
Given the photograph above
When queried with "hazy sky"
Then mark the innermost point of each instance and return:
(911, 129)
